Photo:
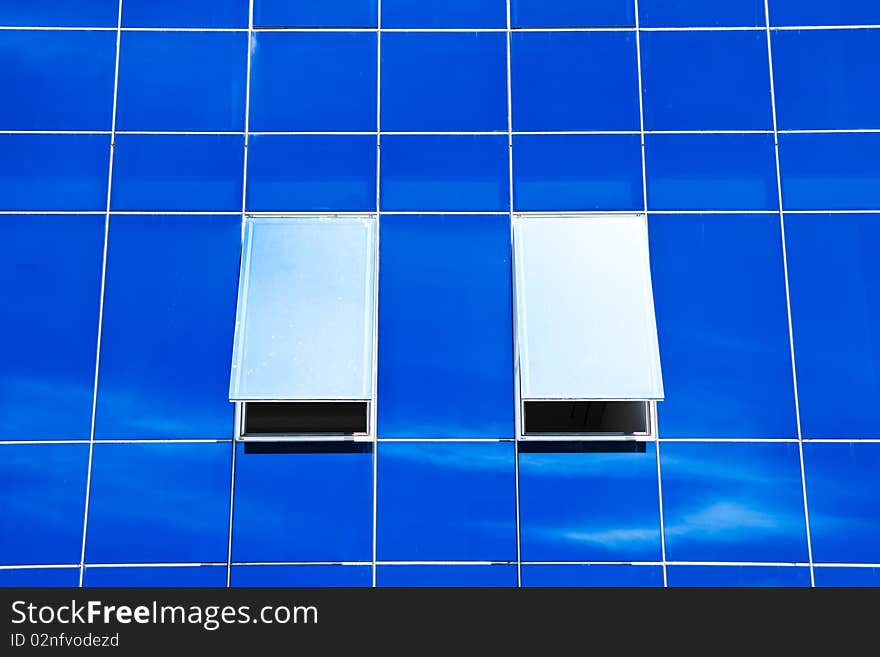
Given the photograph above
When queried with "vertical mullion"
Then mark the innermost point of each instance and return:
(797, 407)
(238, 408)
(82, 558)
(656, 429)
(516, 392)
(374, 423)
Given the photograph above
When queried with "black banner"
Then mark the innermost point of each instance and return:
(127, 621)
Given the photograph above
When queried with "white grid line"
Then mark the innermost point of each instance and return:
(626, 28)
(237, 407)
(364, 564)
(443, 133)
(374, 412)
(516, 385)
(94, 411)
(311, 213)
(645, 209)
(797, 409)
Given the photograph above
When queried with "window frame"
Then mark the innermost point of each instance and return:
(240, 411)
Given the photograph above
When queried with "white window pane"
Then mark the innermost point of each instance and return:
(304, 328)
(585, 308)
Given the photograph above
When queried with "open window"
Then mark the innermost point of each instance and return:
(588, 360)
(302, 364)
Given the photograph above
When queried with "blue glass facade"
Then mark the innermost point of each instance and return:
(132, 157)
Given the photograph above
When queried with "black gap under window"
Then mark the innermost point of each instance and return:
(305, 418)
(586, 417)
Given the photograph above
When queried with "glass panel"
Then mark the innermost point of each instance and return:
(324, 576)
(734, 576)
(444, 81)
(591, 575)
(440, 576)
(192, 13)
(833, 12)
(446, 502)
(589, 507)
(35, 577)
(272, 522)
(733, 502)
(844, 501)
(182, 81)
(60, 80)
(827, 79)
(42, 495)
(847, 577)
(700, 13)
(706, 81)
(571, 13)
(336, 71)
(304, 328)
(585, 309)
(315, 13)
(177, 576)
(446, 340)
(444, 13)
(159, 503)
(550, 65)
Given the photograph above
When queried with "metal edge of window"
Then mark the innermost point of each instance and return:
(521, 344)
(371, 296)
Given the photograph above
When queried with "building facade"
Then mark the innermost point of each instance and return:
(140, 135)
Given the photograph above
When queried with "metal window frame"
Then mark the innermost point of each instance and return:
(239, 416)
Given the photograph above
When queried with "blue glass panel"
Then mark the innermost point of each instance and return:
(42, 495)
(178, 173)
(192, 13)
(176, 576)
(444, 81)
(273, 522)
(39, 577)
(166, 503)
(830, 171)
(589, 507)
(593, 575)
(444, 13)
(733, 502)
(442, 576)
(826, 79)
(51, 269)
(722, 319)
(168, 324)
(335, 71)
(844, 501)
(61, 80)
(734, 576)
(571, 13)
(315, 13)
(706, 81)
(60, 13)
(838, 12)
(847, 577)
(577, 172)
(446, 501)
(182, 81)
(445, 173)
(445, 334)
(711, 172)
(311, 172)
(54, 172)
(549, 74)
(302, 576)
(835, 304)
(699, 13)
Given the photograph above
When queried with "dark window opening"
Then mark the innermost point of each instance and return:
(305, 418)
(586, 417)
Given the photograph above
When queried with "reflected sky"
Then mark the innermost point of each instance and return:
(439, 502)
(844, 501)
(589, 507)
(303, 507)
(42, 499)
(159, 503)
(733, 502)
